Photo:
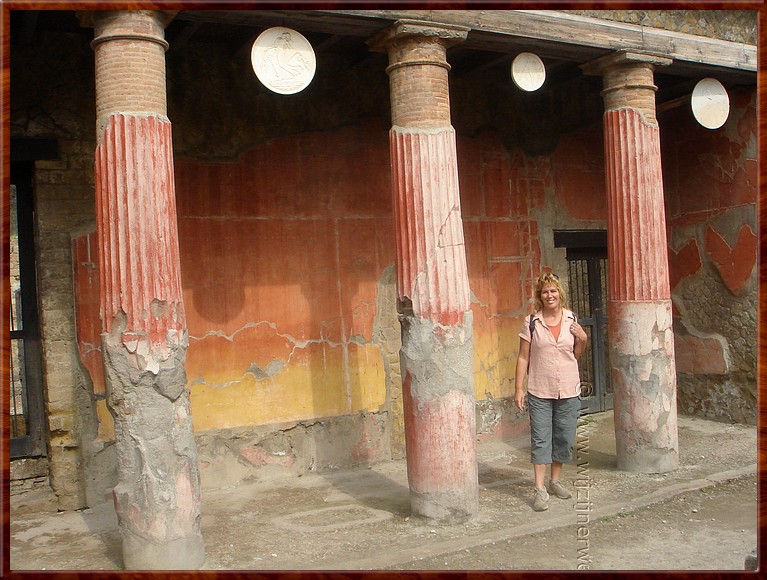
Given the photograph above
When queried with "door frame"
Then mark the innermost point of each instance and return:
(590, 246)
(24, 153)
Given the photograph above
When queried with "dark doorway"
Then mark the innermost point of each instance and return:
(27, 413)
(587, 281)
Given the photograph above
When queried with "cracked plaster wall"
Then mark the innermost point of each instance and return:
(712, 218)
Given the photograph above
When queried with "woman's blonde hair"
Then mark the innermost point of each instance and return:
(552, 279)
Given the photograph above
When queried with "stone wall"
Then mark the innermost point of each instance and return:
(28, 474)
(64, 204)
(60, 108)
(732, 25)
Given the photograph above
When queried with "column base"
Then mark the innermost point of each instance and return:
(444, 508)
(157, 496)
(648, 460)
(440, 420)
(644, 382)
(180, 554)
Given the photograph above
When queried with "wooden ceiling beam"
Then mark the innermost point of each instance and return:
(550, 34)
(550, 26)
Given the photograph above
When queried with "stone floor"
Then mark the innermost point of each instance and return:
(702, 516)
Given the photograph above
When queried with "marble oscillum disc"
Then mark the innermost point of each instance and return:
(710, 103)
(528, 71)
(283, 60)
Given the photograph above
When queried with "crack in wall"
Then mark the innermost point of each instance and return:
(443, 233)
(88, 348)
(272, 325)
(275, 366)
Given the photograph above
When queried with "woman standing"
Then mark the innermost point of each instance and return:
(550, 343)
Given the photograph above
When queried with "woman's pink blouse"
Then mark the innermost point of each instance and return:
(553, 371)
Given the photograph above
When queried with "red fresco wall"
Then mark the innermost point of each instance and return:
(711, 186)
(283, 250)
(708, 172)
(281, 255)
(499, 193)
(578, 165)
(85, 261)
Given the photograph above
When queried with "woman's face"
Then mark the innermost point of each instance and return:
(550, 296)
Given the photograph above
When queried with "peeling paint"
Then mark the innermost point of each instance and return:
(644, 383)
(157, 494)
(440, 422)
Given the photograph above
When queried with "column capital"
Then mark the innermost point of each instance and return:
(623, 58)
(87, 18)
(418, 70)
(130, 25)
(627, 81)
(447, 34)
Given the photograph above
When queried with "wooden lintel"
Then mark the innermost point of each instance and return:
(549, 33)
(581, 31)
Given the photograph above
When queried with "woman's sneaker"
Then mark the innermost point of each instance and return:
(559, 490)
(541, 500)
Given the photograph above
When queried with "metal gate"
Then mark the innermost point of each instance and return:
(587, 276)
(26, 392)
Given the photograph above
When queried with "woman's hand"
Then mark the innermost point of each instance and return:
(523, 359)
(578, 332)
(519, 399)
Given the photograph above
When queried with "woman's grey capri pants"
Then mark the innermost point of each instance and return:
(552, 428)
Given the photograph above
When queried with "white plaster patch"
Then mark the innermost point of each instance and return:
(638, 327)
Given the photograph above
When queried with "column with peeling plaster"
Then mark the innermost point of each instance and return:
(643, 370)
(432, 279)
(144, 340)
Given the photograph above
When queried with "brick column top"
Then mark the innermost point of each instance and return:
(627, 78)
(129, 47)
(418, 71)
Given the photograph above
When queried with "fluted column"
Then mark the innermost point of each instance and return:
(432, 279)
(157, 497)
(643, 370)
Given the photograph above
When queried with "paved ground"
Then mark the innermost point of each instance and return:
(702, 516)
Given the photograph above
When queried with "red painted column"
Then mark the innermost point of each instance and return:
(144, 340)
(643, 370)
(432, 280)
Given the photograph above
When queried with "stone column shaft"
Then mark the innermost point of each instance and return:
(643, 370)
(432, 279)
(157, 497)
